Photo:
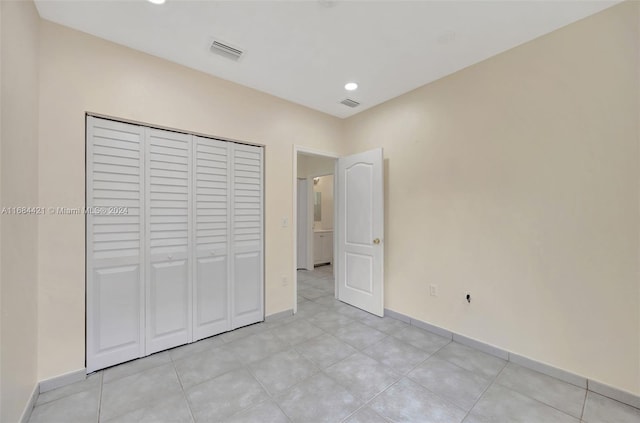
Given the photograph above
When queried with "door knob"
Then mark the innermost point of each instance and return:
(170, 257)
(376, 241)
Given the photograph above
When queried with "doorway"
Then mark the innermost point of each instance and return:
(315, 212)
(357, 246)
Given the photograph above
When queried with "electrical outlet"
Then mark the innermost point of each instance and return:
(433, 290)
(285, 281)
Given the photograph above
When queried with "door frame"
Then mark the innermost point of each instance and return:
(294, 223)
(308, 260)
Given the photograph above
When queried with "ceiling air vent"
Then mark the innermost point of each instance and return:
(225, 50)
(350, 103)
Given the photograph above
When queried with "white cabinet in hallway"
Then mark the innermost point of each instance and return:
(323, 247)
(175, 253)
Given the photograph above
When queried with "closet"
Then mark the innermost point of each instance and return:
(174, 230)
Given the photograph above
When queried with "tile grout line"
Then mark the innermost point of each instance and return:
(184, 394)
(543, 403)
(269, 395)
(485, 390)
(250, 370)
(364, 403)
(100, 396)
(423, 361)
(367, 403)
(441, 396)
(539, 401)
(402, 376)
(584, 403)
(495, 382)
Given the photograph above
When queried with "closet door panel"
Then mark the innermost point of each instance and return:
(247, 235)
(117, 302)
(211, 294)
(168, 305)
(115, 187)
(168, 302)
(247, 288)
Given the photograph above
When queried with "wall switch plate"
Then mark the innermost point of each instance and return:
(433, 290)
(285, 222)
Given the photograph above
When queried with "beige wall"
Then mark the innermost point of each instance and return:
(19, 178)
(81, 73)
(517, 179)
(325, 188)
(311, 166)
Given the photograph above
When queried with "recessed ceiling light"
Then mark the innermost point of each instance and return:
(157, 1)
(351, 86)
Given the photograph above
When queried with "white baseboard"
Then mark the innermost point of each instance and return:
(397, 316)
(614, 393)
(548, 370)
(430, 328)
(544, 368)
(26, 414)
(484, 347)
(62, 380)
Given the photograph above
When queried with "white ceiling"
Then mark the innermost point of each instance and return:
(305, 51)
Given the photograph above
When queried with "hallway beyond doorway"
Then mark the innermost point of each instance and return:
(316, 284)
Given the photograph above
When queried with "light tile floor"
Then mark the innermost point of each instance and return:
(328, 363)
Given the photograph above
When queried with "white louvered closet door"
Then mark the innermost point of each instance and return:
(211, 295)
(168, 231)
(176, 253)
(247, 235)
(115, 274)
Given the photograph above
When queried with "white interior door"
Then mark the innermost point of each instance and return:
(168, 302)
(247, 235)
(115, 244)
(360, 232)
(302, 224)
(212, 179)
